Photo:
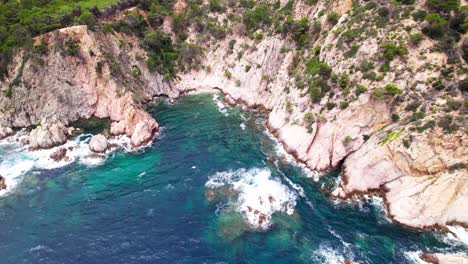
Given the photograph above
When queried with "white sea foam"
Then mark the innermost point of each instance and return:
(221, 106)
(461, 234)
(413, 257)
(281, 152)
(326, 254)
(259, 195)
(16, 159)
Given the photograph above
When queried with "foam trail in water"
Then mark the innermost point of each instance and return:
(281, 152)
(413, 257)
(221, 106)
(461, 234)
(16, 160)
(259, 195)
(327, 255)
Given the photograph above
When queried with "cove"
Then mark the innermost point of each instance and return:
(186, 199)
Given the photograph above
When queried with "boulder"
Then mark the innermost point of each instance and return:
(2, 183)
(98, 144)
(59, 155)
(45, 136)
(5, 132)
(144, 131)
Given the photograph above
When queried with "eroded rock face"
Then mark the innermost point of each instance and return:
(2, 183)
(68, 88)
(47, 136)
(439, 258)
(98, 144)
(423, 185)
(5, 132)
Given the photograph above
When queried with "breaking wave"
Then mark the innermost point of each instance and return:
(16, 159)
(259, 195)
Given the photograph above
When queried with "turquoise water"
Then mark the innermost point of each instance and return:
(157, 205)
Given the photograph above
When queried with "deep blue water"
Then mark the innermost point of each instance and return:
(153, 206)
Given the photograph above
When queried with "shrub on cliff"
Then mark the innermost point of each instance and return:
(463, 85)
(258, 17)
(333, 18)
(88, 18)
(162, 54)
(387, 92)
(299, 30)
(443, 5)
(416, 38)
(391, 50)
(436, 26)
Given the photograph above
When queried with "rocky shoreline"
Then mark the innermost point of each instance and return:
(419, 170)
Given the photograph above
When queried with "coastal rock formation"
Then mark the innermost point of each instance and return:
(59, 154)
(423, 185)
(342, 97)
(439, 258)
(2, 183)
(98, 143)
(47, 136)
(93, 80)
(5, 132)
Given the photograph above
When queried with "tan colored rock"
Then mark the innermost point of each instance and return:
(5, 132)
(439, 258)
(418, 183)
(2, 183)
(98, 143)
(47, 136)
(59, 154)
(71, 88)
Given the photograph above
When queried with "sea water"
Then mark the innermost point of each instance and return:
(213, 187)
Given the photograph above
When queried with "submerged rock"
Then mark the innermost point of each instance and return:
(59, 155)
(98, 144)
(2, 183)
(45, 136)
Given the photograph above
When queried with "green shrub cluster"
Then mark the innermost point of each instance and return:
(22, 20)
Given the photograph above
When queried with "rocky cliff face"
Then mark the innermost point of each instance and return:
(399, 142)
(78, 74)
(424, 184)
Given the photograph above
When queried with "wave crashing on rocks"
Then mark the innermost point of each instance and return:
(255, 194)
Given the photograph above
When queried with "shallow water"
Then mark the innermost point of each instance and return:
(186, 199)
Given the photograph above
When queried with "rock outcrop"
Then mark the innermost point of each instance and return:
(439, 258)
(424, 185)
(5, 132)
(402, 154)
(2, 183)
(59, 154)
(98, 144)
(48, 136)
(57, 87)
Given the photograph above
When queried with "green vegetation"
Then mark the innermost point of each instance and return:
(391, 50)
(436, 26)
(416, 38)
(347, 140)
(22, 20)
(258, 17)
(388, 92)
(391, 137)
(161, 53)
(333, 18)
